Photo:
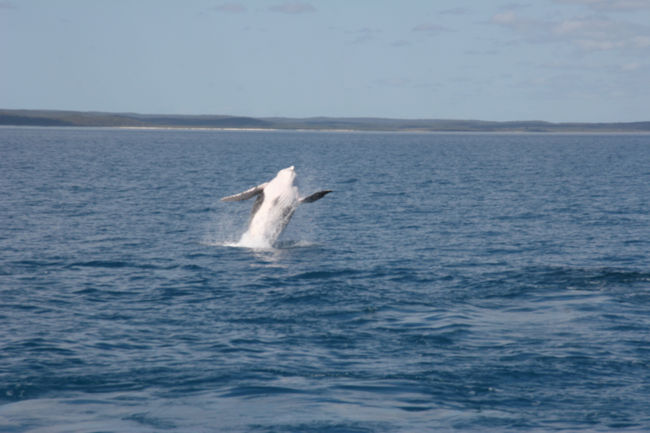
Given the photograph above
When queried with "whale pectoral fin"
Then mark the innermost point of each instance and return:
(315, 196)
(249, 193)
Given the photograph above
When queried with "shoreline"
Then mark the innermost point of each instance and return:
(135, 121)
(335, 131)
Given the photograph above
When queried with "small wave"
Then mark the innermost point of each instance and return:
(259, 391)
(35, 263)
(286, 245)
(110, 264)
(319, 275)
(101, 264)
(148, 420)
(585, 278)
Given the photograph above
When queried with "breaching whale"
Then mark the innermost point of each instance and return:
(276, 202)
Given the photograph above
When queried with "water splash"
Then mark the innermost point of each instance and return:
(254, 242)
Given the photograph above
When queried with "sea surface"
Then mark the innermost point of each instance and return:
(451, 282)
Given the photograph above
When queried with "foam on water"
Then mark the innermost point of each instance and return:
(263, 246)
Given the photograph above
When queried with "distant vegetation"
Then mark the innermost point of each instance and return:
(99, 119)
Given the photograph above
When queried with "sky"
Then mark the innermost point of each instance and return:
(553, 60)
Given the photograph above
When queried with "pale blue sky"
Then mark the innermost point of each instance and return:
(556, 60)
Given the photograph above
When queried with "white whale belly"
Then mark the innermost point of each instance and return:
(271, 218)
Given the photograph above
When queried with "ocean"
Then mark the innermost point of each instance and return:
(450, 282)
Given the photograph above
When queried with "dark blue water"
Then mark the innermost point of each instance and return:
(450, 282)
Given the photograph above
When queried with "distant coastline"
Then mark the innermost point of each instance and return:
(60, 118)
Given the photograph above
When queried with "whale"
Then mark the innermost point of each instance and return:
(275, 203)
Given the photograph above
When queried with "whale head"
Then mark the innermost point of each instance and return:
(287, 175)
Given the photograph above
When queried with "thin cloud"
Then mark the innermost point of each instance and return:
(403, 83)
(508, 18)
(641, 41)
(630, 67)
(395, 82)
(586, 33)
(531, 29)
(293, 8)
(232, 8)
(430, 29)
(610, 5)
(400, 43)
(454, 11)
(514, 6)
(364, 35)
(603, 34)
